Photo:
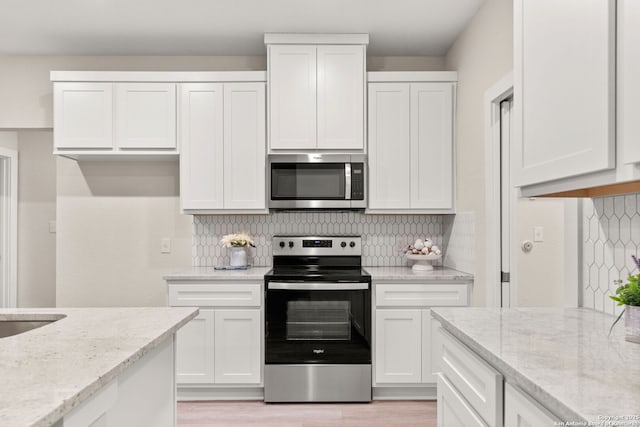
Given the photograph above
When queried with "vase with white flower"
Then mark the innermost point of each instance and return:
(237, 244)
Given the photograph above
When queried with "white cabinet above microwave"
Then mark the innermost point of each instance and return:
(316, 91)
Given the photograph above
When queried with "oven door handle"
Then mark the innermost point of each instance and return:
(321, 286)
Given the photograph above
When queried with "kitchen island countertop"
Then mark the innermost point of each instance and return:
(562, 357)
(48, 371)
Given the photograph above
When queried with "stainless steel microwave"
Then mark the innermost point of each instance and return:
(317, 181)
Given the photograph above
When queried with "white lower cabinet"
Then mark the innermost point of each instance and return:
(194, 355)
(472, 393)
(403, 356)
(453, 409)
(521, 410)
(142, 395)
(236, 347)
(220, 349)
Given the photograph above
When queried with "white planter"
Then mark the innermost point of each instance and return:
(238, 257)
(632, 323)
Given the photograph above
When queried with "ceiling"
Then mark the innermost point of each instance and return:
(224, 27)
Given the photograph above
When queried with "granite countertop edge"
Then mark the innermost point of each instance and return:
(514, 376)
(87, 388)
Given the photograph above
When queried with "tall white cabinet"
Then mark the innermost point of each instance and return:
(575, 94)
(411, 144)
(316, 91)
(222, 136)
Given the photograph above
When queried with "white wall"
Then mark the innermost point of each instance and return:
(111, 219)
(483, 55)
(36, 207)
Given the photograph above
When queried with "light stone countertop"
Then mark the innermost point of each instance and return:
(209, 273)
(441, 274)
(48, 371)
(564, 358)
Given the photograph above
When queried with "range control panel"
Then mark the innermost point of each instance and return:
(317, 245)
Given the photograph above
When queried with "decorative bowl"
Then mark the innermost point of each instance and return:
(422, 262)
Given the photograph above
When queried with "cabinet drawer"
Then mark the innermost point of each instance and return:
(401, 295)
(239, 295)
(476, 381)
(521, 410)
(453, 410)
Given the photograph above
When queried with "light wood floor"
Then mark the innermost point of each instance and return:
(260, 414)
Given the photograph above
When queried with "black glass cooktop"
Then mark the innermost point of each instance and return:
(321, 269)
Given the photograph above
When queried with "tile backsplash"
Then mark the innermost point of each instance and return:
(383, 236)
(459, 233)
(610, 235)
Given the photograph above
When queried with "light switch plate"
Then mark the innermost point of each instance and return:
(538, 233)
(52, 226)
(165, 245)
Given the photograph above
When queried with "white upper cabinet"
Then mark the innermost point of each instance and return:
(389, 146)
(316, 91)
(628, 84)
(411, 166)
(244, 146)
(565, 84)
(340, 97)
(202, 152)
(575, 97)
(83, 115)
(292, 96)
(222, 137)
(432, 146)
(146, 115)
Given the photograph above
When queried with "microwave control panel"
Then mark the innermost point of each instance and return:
(357, 181)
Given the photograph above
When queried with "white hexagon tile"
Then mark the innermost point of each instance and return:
(383, 236)
(610, 235)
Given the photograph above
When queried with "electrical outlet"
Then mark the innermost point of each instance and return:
(165, 245)
(52, 226)
(538, 233)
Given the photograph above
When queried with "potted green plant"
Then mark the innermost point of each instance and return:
(628, 295)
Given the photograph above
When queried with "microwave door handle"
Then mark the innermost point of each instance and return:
(347, 181)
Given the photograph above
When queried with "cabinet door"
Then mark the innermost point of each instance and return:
(520, 410)
(146, 115)
(564, 88)
(340, 102)
(398, 346)
(389, 146)
(292, 97)
(453, 410)
(244, 146)
(83, 115)
(237, 347)
(431, 146)
(628, 84)
(194, 350)
(201, 140)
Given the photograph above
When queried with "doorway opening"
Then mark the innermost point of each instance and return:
(8, 228)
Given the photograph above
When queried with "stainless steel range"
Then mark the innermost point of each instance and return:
(318, 321)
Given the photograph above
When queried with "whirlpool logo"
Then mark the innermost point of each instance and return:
(318, 351)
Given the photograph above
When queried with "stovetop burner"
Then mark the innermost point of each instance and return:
(318, 258)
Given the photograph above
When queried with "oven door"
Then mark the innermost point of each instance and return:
(318, 323)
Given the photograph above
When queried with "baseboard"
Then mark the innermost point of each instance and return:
(405, 393)
(220, 393)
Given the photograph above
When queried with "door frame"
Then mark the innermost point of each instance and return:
(9, 226)
(500, 91)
